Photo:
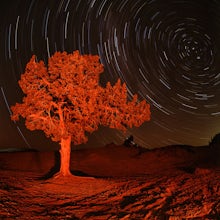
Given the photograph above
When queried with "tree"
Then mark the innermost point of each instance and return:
(64, 99)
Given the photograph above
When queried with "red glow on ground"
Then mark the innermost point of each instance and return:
(174, 183)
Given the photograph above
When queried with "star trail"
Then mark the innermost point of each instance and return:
(167, 52)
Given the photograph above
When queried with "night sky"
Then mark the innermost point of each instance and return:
(165, 51)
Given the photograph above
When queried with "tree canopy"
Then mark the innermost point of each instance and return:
(64, 98)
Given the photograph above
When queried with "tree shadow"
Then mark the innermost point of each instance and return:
(56, 167)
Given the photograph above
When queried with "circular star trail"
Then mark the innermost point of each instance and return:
(167, 52)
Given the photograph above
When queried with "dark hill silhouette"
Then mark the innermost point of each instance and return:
(215, 142)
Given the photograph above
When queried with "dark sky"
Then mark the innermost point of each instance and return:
(165, 51)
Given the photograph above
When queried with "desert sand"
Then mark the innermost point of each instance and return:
(112, 182)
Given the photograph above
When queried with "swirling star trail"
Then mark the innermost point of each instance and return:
(165, 51)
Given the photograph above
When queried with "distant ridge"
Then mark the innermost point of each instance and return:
(11, 149)
(115, 160)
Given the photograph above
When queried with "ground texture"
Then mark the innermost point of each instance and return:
(175, 190)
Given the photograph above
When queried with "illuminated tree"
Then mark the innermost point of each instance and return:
(64, 99)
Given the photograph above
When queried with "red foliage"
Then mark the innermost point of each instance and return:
(65, 100)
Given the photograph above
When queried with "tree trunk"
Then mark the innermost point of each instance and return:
(65, 151)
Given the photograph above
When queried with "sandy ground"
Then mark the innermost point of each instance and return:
(115, 182)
